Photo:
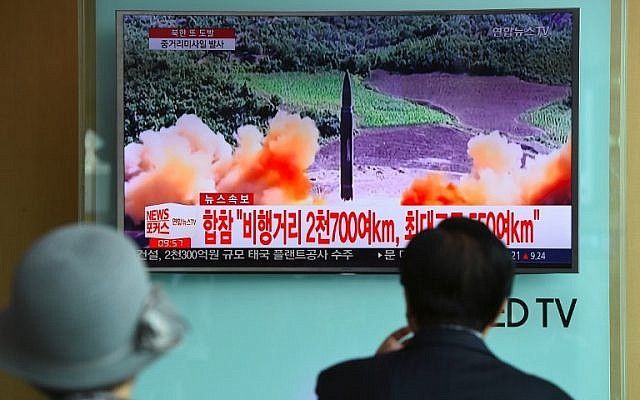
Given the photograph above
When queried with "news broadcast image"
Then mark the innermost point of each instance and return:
(323, 143)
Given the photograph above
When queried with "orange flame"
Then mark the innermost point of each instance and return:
(175, 164)
(497, 178)
(274, 170)
(554, 184)
(432, 190)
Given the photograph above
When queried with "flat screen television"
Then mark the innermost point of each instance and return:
(322, 142)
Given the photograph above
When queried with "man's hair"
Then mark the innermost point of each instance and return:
(456, 274)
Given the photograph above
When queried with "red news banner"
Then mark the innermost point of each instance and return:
(230, 220)
(181, 39)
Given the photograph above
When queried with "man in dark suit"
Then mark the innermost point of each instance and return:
(456, 279)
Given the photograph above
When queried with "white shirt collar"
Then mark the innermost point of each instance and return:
(463, 329)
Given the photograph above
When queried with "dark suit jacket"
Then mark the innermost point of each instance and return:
(437, 364)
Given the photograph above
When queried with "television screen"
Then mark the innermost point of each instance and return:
(324, 142)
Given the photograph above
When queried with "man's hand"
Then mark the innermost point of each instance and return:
(395, 341)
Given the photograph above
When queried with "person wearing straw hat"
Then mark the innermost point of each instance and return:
(84, 319)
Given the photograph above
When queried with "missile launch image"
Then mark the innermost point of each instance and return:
(372, 121)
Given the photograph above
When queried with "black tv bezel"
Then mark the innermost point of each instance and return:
(529, 268)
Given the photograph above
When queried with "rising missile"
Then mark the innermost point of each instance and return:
(346, 141)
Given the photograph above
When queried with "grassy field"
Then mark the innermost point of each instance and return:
(555, 120)
(322, 92)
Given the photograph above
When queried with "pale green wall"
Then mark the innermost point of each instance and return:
(266, 337)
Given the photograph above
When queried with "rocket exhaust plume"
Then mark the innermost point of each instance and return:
(553, 185)
(172, 165)
(274, 170)
(346, 141)
(175, 164)
(497, 178)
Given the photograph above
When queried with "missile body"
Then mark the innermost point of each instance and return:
(346, 141)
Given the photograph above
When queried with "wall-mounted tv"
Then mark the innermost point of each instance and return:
(322, 142)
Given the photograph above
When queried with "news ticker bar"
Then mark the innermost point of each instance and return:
(319, 257)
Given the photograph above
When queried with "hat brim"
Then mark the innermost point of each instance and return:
(82, 375)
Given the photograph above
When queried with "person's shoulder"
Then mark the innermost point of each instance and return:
(349, 379)
(533, 387)
(546, 389)
(346, 370)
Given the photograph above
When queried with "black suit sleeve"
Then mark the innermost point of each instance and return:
(335, 383)
(359, 379)
(350, 380)
(324, 386)
(540, 389)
